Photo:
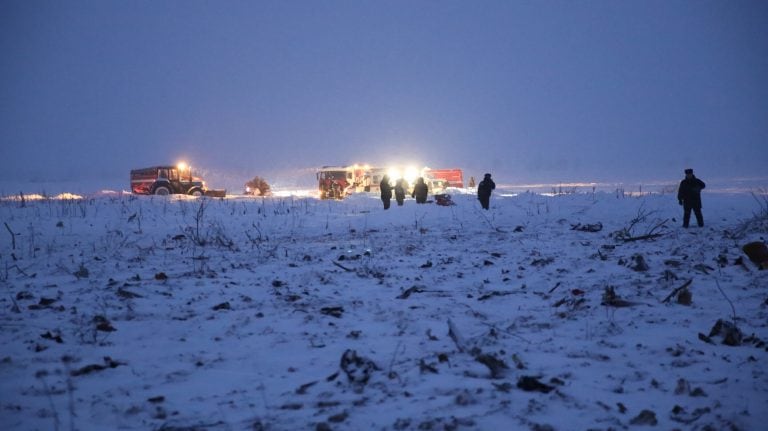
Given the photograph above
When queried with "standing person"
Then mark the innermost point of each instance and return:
(484, 190)
(386, 191)
(400, 186)
(689, 196)
(420, 191)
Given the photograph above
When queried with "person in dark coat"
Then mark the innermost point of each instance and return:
(400, 187)
(484, 190)
(420, 190)
(386, 191)
(689, 196)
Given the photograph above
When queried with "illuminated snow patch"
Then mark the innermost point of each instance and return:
(298, 193)
(67, 196)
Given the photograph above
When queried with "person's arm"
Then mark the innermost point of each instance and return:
(680, 193)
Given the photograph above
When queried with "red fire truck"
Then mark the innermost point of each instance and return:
(336, 182)
(452, 177)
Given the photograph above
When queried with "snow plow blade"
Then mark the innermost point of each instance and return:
(216, 193)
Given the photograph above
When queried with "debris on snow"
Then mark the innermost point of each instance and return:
(266, 326)
(645, 417)
(358, 369)
(92, 368)
(532, 384)
(595, 227)
(758, 253)
(332, 311)
(727, 331)
(677, 292)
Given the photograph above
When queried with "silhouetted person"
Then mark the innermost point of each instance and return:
(689, 196)
(386, 191)
(484, 190)
(471, 182)
(420, 190)
(400, 186)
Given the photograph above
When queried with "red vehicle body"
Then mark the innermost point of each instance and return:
(332, 182)
(166, 180)
(335, 182)
(452, 177)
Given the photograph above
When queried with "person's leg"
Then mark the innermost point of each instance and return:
(686, 215)
(699, 217)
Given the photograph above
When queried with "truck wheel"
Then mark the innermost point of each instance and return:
(196, 192)
(162, 191)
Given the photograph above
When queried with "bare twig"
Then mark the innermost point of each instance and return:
(642, 237)
(341, 266)
(733, 309)
(15, 307)
(454, 334)
(391, 374)
(495, 365)
(641, 216)
(674, 292)
(487, 220)
(556, 286)
(657, 226)
(41, 375)
(21, 271)
(13, 235)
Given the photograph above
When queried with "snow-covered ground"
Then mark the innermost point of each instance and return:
(285, 313)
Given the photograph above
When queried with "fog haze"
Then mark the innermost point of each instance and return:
(531, 91)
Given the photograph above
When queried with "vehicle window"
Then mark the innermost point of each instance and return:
(162, 173)
(174, 175)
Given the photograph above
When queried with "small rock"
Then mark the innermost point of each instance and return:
(684, 297)
(640, 265)
(341, 417)
(532, 384)
(646, 417)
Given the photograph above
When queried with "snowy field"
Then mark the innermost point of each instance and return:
(545, 313)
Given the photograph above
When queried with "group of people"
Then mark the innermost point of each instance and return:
(688, 194)
(420, 191)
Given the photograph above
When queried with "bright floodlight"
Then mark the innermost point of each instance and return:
(411, 173)
(394, 174)
(181, 166)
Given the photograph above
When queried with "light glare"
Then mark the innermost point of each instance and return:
(411, 173)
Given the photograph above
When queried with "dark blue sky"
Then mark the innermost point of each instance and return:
(528, 90)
